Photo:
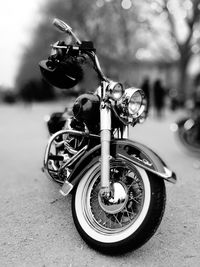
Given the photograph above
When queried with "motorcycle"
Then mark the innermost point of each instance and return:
(187, 130)
(117, 185)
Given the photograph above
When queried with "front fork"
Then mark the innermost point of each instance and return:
(105, 127)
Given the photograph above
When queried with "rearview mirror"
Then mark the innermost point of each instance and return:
(62, 26)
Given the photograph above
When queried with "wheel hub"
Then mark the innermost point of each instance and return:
(117, 201)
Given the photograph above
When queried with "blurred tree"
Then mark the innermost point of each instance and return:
(183, 21)
(106, 23)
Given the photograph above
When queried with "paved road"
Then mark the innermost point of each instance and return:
(36, 227)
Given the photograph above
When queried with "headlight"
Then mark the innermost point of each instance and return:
(135, 100)
(135, 103)
(115, 90)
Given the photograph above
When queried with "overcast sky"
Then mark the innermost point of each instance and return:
(17, 21)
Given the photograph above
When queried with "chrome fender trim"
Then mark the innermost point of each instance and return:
(145, 158)
(167, 174)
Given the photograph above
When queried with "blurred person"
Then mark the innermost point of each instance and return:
(145, 86)
(159, 97)
(173, 96)
(194, 107)
(196, 93)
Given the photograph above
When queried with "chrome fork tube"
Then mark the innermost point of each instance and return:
(125, 132)
(105, 121)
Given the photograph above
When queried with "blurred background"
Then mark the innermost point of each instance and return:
(138, 42)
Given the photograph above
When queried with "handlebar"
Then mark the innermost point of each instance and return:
(85, 47)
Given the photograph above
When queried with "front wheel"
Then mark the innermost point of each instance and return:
(129, 218)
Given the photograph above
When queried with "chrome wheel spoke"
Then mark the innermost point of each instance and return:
(116, 219)
(107, 219)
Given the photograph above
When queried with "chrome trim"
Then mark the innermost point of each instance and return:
(70, 149)
(59, 46)
(168, 175)
(73, 158)
(66, 188)
(105, 122)
(58, 144)
(110, 90)
(64, 132)
(115, 202)
(125, 131)
(126, 98)
(99, 69)
(45, 170)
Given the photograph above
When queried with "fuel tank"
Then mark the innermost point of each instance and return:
(86, 109)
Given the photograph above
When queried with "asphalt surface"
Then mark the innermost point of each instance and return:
(36, 226)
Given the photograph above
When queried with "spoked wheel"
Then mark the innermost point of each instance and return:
(125, 221)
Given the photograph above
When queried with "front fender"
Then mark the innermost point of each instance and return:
(145, 158)
(134, 152)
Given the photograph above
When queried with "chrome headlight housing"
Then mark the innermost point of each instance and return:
(115, 90)
(135, 102)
